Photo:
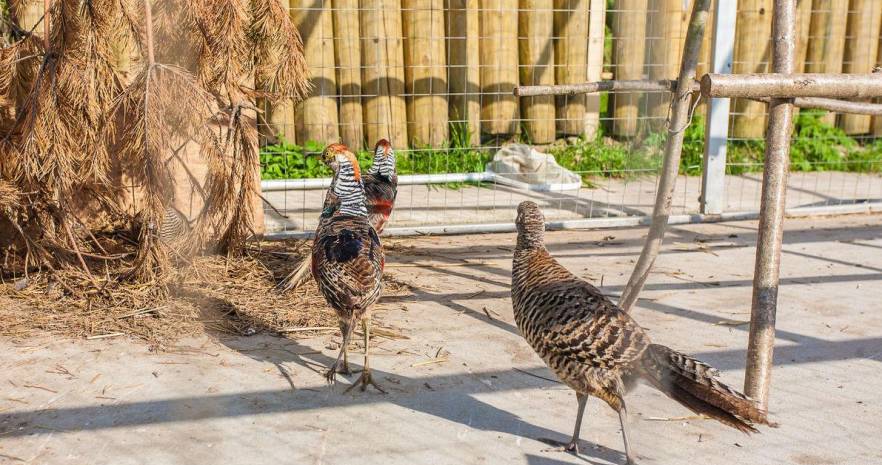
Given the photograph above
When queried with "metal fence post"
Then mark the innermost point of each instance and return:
(713, 176)
(771, 224)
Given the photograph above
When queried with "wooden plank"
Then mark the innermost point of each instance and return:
(754, 29)
(536, 48)
(382, 57)
(425, 72)
(347, 54)
(316, 116)
(803, 23)
(861, 48)
(629, 45)
(596, 34)
(571, 26)
(665, 38)
(826, 45)
(464, 70)
(499, 66)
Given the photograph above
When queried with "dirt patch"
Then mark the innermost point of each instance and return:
(211, 294)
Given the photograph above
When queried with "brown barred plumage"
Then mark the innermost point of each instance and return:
(597, 349)
(347, 258)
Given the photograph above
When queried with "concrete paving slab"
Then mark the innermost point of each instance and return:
(464, 388)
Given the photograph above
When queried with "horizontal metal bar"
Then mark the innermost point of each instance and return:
(601, 223)
(791, 85)
(277, 185)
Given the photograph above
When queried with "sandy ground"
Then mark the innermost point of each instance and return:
(422, 205)
(463, 388)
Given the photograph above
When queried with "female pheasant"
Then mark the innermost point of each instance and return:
(347, 258)
(597, 349)
(381, 188)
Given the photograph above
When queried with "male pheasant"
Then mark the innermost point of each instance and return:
(174, 228)
(347, 259)
(381, 188)
(596, 349)
(381, 185)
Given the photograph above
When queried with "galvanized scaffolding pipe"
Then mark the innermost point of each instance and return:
(771, 222)
(680, 114)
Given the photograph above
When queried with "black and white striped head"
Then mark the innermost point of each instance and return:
(531, 225)
(384, 159)
(347, 184)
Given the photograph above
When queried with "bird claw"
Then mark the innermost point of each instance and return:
(571, 447)
(363, 381)
(337, 367)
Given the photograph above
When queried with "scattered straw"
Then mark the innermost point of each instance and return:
(213, 294)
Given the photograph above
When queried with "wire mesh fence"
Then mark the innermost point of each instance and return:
(435, 77)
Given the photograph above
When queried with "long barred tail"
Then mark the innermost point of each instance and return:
(296, 277)
(694, 384)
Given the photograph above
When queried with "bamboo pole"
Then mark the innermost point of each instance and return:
(838, 106)
(570, 28)
(629, 31)
(499, 66)
(596, 33)
(673, 147)
(316, 116)
(877, 122)
(463, 71)
(665, 43)
(792, 85)
(827, 40)
(347, 55)
(425, 72)
(705, 56)
(751, 55)
(862, 46)
(664, 85)
(385, 113)
(26, 14)
(770, 231)
(536, 56)
(756, 92)
(803, 24)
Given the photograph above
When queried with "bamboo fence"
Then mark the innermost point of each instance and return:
(425, 72)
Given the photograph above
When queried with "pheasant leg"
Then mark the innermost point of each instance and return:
(629, 454)
(366, 379)
(573, 445)
(343, 356)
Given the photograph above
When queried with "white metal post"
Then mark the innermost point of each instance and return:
(716, 132)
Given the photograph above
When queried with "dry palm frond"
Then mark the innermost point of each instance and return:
(19, 64)
(279, 63)
(164, 106)
(10, 197)
(246, 159)
(226, 54)
(176, 36)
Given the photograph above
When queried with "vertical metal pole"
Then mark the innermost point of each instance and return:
(713, 178)
(771, 223)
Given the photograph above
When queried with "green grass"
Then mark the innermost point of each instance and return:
(817, 146)
(291, 161)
